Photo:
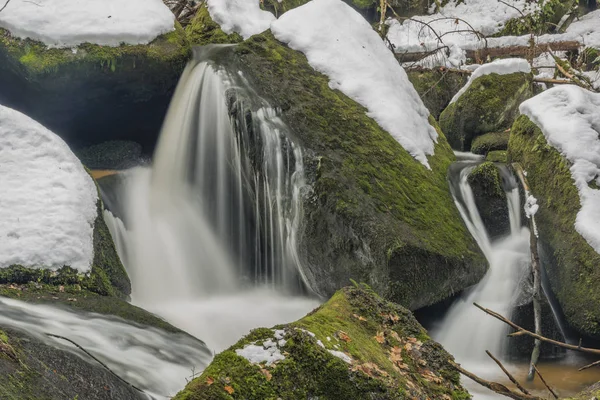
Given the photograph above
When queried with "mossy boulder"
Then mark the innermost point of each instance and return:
(490, 142)
(486, 182)
(490, 104)
(436, 87)
(593, 392)
(571, 263)
(499, 156)
(93, 93)
(356, 346)
(372, 211)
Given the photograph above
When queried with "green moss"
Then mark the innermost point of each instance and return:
(436, 87)
(543, 20)
(573, 265)
(490, 142)
(202, 30)
(488, 177)
(369, 194)
(278, 7)
(499, 156)
(388, 359)
(489, 105)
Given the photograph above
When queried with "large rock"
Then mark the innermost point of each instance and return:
(373, 212)
(571, 264)
(93, 93)
(489, 142)
(490, 104)
(490, 198)
(356, 346)
(436, 87)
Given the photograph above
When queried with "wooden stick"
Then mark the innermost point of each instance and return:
(5, 4)
(521, 331)
(545, 384)
(494, 386)
(589, 366)
(512, 378)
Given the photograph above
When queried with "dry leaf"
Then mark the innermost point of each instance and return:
(396, 336)
(358, 317)
(380, 338)
(396, 354)
(267, 374)
(344, 336)
(371, 369)
(229, 389)
(408, 347)
(209, 381)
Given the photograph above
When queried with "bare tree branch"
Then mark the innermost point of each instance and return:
(594, 364)
(5, 4)
(544, 382)
(508, 374)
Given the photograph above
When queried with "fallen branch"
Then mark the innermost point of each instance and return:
(594, 364)
(508, 374)
(521, 331)
(544, 382)
(97, 360)
(494, 386)
(5, 4)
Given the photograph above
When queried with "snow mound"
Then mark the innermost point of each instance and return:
(569, 117)
(341, 44)
(241, 16)
(47, 199)
(67, 23)
(501, 67)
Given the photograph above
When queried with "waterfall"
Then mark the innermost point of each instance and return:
(208, 232)
(465, 331)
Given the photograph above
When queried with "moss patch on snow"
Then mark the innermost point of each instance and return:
(390, 357)
(490, 104)
(573, 266)
(373, 214)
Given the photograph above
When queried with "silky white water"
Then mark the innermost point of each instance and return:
(151, 359)
(208, 232)
(467, 332)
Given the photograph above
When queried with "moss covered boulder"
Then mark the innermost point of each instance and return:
(356, 346)
(93, 93)
(571, 263)
(489, 142)
(486, 182)
(490, 104)
(371, 211)
(436, 87)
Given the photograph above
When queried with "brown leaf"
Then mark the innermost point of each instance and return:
(267, 374)
(395, 335)
(209, 381)
(344, 336)
(396, 354)
(358, 317)
(380, 338)
(229, 389)
(370, 369)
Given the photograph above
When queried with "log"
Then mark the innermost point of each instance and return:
(494, 386)
(521, 331)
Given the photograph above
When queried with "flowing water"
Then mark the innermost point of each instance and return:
(465, 331)
(208, 232)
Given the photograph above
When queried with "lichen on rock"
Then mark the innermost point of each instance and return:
(355, 346)
(490, 104)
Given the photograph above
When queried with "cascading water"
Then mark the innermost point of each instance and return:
(208, 233)
(465, 331)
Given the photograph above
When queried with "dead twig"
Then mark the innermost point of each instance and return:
(508, 374)
(5, 4)
(494, 386)
(544, 382)
(594, 364)
(521, 331)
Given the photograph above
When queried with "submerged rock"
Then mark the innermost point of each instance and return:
(490, 198)
(571, 264)
(490, 104)
(356, 346)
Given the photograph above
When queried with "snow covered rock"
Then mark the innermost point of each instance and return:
(341, 44)
(489, 103)
(67, 23)
(47, 199)
(240, 16)
(356, 346)
(557, 142)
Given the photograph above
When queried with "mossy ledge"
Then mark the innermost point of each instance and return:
(572, 265)
(390, 354)
(490, 104)
(373, 213)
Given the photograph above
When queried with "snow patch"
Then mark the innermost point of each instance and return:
(569, 117)
(531, 206)
(259, 354)
(67, 23)
(341, 44)
(502, 67)
(47, 199)
(343, 356)
(240, 16)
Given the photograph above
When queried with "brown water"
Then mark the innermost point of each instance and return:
(562, 375)
(100, 173)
